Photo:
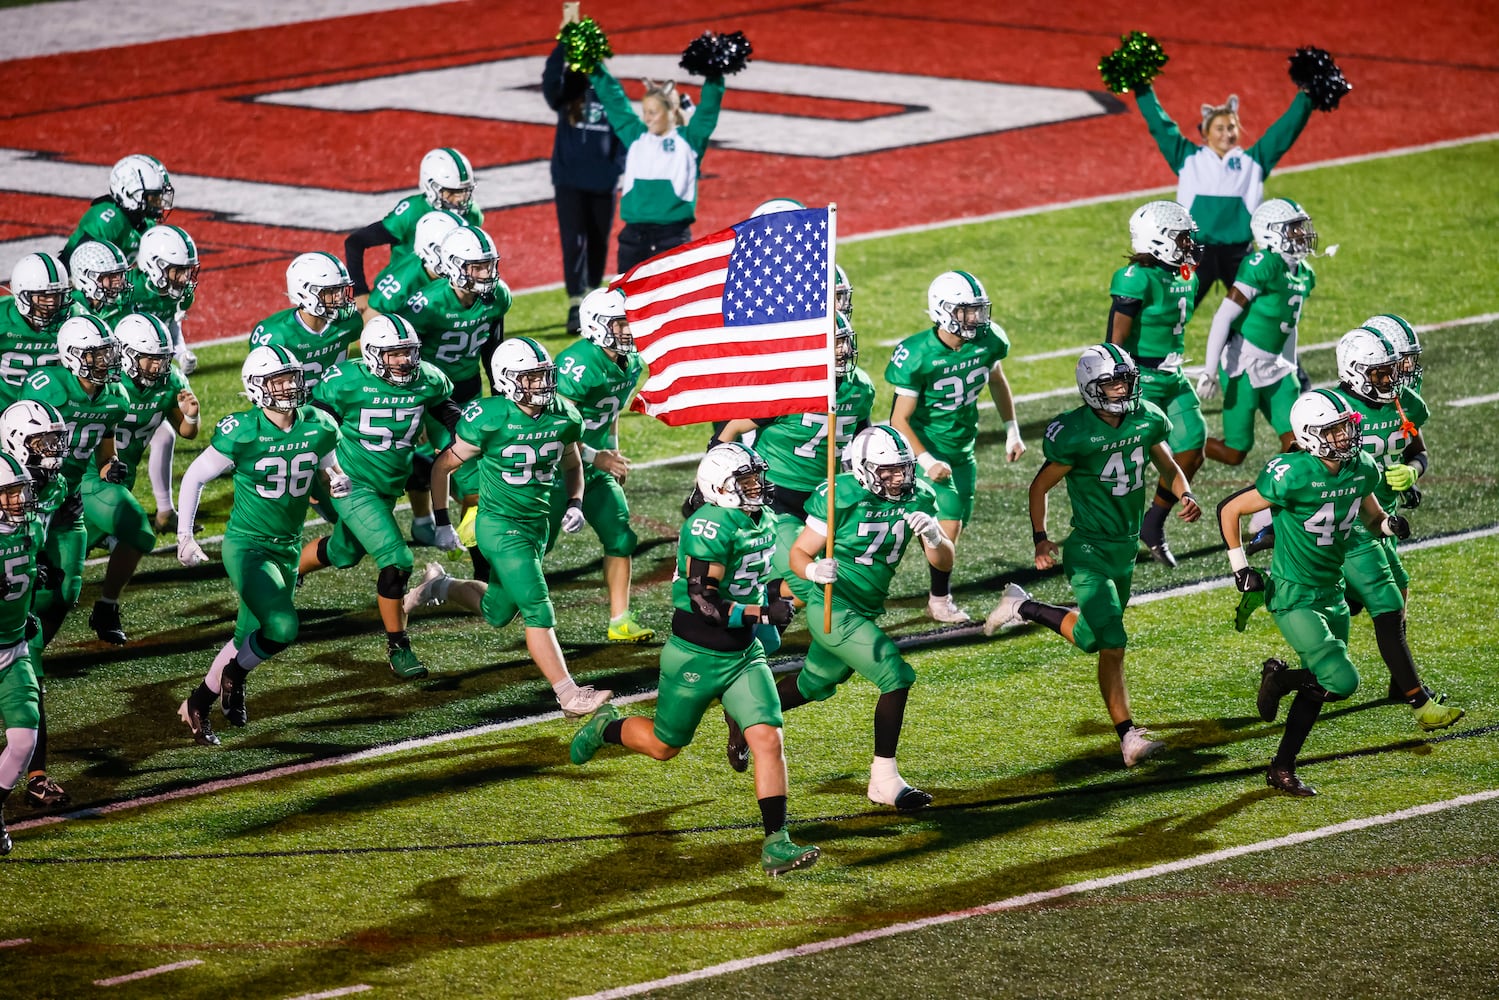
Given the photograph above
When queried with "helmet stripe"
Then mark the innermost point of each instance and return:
(973, 283)
(51, 266)
(1337, 401)
(1114, 353)
(1382, 339)
(458, 162)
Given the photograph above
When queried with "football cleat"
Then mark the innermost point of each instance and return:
(405, 665)
(738, 747)
(944, 609)
(1006, 614)
(590, 739)
(586, 699)
(232, 697)
(44, 793)
(105, 621)
(904, 799)
(779, 855)
(1283, 779)
(1161, 553)
(1398, 695)
(1271, 689)
(423, 534)
(422, 593)
(626, 628)
(1434, 715)
(197, 721)
(1137, 745)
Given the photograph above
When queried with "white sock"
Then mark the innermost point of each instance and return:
(882, 770)
(215, 678)
(565, 689)
(427, 521)
(19, 745)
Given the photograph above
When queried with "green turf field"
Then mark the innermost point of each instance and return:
(489, 865)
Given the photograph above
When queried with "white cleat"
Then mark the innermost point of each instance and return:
(422, 594)
(1137, 745)
(1006, 614)
(585, 701)
(943, 609)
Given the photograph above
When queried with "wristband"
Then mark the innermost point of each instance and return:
(189, 420)
(441, 516)
(1188, 496)
(926, 461)
(1037, 537)
(574, 502)
(1418, 462)
(736, 615)
(588, 454)
(1237, 560)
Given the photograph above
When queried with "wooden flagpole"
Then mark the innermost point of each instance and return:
(832, 433)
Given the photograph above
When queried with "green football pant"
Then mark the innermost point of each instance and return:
(64, 548)
(111, 509)
(516, 582)
(1241, 401)
(855, 645)
(1101, 574)
(20, 692)
(265, 577)
(604, 508)
(1314, 622)
(692, 677)
(788, 529)
(955, 496)
(322, 500)
(1374, 573)
(367, 524)
(1173, 392)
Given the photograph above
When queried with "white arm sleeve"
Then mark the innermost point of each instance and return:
(175, 329)
(1218, 334)
(208, 466)
(159, 464)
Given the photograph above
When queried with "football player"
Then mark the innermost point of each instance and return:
(29, 319)
(520, 437)
(1154, 296)
(1101, 450)
(379, 402)
(937, 375)
(274, 450)
(719, 596)
(101, 279)
(1251, 349)
(140, 196)
(1407, 345)
(445, 183)
(20, 694)
(1315, 496)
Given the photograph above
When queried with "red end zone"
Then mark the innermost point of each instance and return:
(1420, 75)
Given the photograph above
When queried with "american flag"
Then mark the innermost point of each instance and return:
(739, 323)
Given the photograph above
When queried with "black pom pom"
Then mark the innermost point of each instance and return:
(711, 54)
(1313, 71)
(1136, 62)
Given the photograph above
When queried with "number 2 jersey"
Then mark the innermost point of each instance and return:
(870, 535)
(1314, 510)
(1107, 480)
(273, 470)
(946, 382)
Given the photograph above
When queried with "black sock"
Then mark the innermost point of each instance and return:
(397, 640)
(51, 620)
(204, 696)
(481, 565)
(791, 695)
(889, 714)
(941, 582)
(1049, 615)
(773, 813)
(1354, 607)
(1389, 634)
(39, 755)
(1304, 711)
(1124, 727)
(1153, 527)
(614, 732)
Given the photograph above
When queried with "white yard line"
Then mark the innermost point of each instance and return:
(1474, 400)
(15, 942)
(1048, 895)
(341, 992)
(131, 977)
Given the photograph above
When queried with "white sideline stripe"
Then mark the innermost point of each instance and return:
(421, 742)
(1047, 895)
(14, 942)
(1474, 400)
(340, 992)
(144, 973)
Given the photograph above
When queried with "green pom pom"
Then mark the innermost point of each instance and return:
(584, 45)
(1136, 62)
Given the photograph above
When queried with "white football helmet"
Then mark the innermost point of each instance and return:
(1326, 426)
(145, 348)
(168, 258)
(1407, 343)
(1164, 230)
(33, 433)
(469, 260)
(958, 304)
(447, 179)
(1109, 379)
(843, 293)
(99, 272)
(1283, 226)
(89, 350)
(881, 460)
(40, 284)
(142, 187)
(523, 372)
(17, 498)
(274, 379)
(391, 349)
(602, 316)
(319, 285)
(427, 241)
(1369, 365)
(845, 346)
(775, 205)
(732, 475)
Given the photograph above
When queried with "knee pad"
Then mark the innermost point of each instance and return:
(391, 582)
(420, 480)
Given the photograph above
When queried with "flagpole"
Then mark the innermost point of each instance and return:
(832, 436)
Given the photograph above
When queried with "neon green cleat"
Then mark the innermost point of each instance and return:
(405, 665)
(627, 628)
(779, 855)
(467, 533)
(1436, 716)
(590, 739)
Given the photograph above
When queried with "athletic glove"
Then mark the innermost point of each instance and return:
(447, 538)
(1410, 499)
(823, 571)
(33, 627)
(572, 518)
(339, 485)
(187, 360)
(69, 513)
(1400, 477)
(1397, 526)
(189, 552)
(926, 526)
(778, 612)
(1207, 385)
(1248, 579)
(115, 472)
(47, 575)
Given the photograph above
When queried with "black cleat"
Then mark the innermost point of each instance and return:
(105, 621)
(44, 793)
(912, 800)
(1271, 689)
(1283, 779)
(5, 844)
(232, 698)
(738, 749)
(197, 720)
(1159, 550)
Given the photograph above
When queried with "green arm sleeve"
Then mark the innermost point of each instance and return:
(1174, 146)
(617, 107)
(705, 118)
(1279, 137)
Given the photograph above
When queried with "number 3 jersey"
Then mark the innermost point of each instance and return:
(379, 422)
(743, 546)
(946, 382)
(273, 470)
(1107, 479)
(870, 535)
(519, 455)
(1314, 510)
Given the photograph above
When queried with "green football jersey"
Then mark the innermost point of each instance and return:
(741, 544)
(317, 351)
(452, 333)
(23, 349)
(146, 408)
(111, 314)
(142, 298)
(1168, 301)
(89, 419)
(519, 455)
(401, 222)
(946, 382)
(397, 282)
(599, 387)
(795, 446)
(1110, 466)
(1314, 511)
(18, 551)
(1273, 314)
(273, 470)
(870, 535)
(1384, 435)
(105, 222)
(379, 422)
